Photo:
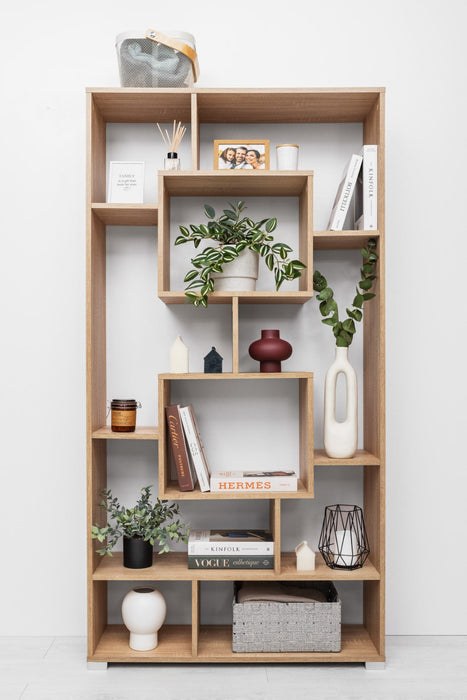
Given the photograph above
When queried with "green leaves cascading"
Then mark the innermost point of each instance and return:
(345, 330)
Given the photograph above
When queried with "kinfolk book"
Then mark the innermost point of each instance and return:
(366, 191)
(280, 480)
(231, 543)
(344, 194)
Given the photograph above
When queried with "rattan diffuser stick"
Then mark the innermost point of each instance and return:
(172, 142)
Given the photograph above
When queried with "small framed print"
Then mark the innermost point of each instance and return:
(126, 182)
(241, 155)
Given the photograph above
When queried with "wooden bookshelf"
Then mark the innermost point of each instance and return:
(196, 642)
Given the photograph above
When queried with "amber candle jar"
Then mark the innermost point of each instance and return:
(124, 415)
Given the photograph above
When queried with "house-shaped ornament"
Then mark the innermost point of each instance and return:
(213, 362)
(305, 557)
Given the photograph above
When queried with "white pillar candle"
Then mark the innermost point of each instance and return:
(345, 548)
(287, 156)
(179, 357)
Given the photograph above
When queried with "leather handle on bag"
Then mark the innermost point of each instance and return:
(177, 45)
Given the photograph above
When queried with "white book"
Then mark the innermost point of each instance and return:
(344, 193)
(366, 191)
(234, 542)
(195, 446)
(254, 481)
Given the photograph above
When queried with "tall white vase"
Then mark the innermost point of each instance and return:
(340, 437)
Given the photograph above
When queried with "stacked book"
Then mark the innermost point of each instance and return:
(230, 549)
(358, 185)
(187, 448)
(281, 480)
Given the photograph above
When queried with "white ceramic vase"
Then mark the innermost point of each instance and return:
(240, 275)
(143, 612)
(340, 437)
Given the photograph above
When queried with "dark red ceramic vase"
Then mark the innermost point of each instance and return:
(270, 351)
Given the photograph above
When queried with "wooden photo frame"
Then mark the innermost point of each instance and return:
(247, 154)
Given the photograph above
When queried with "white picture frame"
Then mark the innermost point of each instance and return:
(126, 182)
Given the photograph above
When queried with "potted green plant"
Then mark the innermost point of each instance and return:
(140, 526)
(236, 239)
(340, 437)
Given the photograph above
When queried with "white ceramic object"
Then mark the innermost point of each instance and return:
(340, 437)
(179, 357)
(345, 548)
(305, 557)
(143, 612)
(287, 156)
(240, 275)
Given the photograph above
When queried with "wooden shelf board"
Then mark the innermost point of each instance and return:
(126, 214)
(173, 566)
(266, 297)
(342, 240)
(235, 105)
(361, 458)
(215, 645)
(239, 375)
(143, 105)
(144, 432)
(174, 646)
(219, 183)
(172, 493)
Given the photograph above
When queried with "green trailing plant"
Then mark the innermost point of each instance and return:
(344, 330)
(232, 232)
(151, 521)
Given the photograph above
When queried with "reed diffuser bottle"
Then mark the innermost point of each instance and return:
(172, 142)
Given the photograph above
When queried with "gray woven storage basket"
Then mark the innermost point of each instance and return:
(279, 627)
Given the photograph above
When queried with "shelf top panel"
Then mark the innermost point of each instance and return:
(148, 432)
(257, 297)
(126, 214)
(223, 183)
(238, 375)
(342, 240)
(236, 105)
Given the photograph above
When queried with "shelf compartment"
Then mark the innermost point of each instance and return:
(238, 184)
(361, 458)
(173, 566)
(143, 432)
(126, 214)
(168, 488)
(174, 646)
(342, 240)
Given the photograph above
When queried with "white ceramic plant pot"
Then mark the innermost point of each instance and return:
(143, 612)
(340, 437)
(240, 275)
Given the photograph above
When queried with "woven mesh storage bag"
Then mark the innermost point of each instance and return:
(156, 59)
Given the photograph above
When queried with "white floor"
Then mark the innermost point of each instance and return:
(47, 668)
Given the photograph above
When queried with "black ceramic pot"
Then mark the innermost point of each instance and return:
(137, 554)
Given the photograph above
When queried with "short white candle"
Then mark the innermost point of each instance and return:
(345, 548)
(305, 557)
(179, 357)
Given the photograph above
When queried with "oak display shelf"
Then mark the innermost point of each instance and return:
(214, 645)
(141, 432)
(195, 642)
(173, 567)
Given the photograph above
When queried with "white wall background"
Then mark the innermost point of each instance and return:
(49, 53)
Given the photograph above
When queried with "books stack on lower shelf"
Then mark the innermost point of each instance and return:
(187, 448)
(230, 549)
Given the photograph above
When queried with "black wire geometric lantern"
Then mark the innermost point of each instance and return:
(343, 541)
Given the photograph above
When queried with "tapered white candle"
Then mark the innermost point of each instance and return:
(345, 548)
(179, 357)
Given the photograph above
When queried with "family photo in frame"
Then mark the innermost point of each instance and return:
(241, 155)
